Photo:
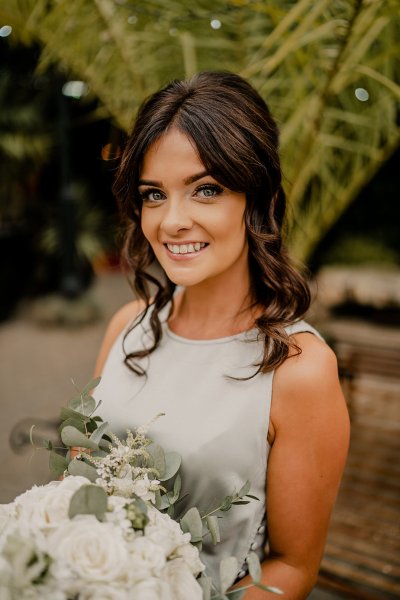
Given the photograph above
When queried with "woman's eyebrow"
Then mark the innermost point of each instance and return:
(186, 181)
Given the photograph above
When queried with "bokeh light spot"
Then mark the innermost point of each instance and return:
(361, 94)
(216, 24)
(5, 31)
(75, 89)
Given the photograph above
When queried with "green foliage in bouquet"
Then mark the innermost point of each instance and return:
(139, 470)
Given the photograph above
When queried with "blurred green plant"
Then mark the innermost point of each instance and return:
(328, 71)
(360, 250)
(24, 147)
(92, 233)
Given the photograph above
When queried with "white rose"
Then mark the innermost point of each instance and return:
(103, 592)
(191, 557)
(45, 506)
(22, 562)
(152, 589)
(7, 512)
(147, 559)
(165, 532)
(86, 549)
(182, 583)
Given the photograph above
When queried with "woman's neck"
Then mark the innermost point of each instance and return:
(206, 312)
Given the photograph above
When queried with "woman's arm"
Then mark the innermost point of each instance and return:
(119, 321)
(310, 430)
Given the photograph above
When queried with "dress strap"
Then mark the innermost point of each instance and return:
(302, 326)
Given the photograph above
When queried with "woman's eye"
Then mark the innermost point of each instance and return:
(208, 191)
(151, 196)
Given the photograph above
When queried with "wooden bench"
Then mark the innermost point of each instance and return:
(362, 557)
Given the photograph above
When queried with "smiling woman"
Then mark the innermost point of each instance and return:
(195, 226)
(247, 391)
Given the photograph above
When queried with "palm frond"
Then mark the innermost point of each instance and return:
(307, 59)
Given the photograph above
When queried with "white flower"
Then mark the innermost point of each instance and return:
(147, 559)
(86, 549)
(21, 562)
(116, 513)
(182, 583)
(45, 506)
(153, 589)
(123, 487)
(165, 532)
(145, 489)
(191, 557)
(103, 592)
(6, 513)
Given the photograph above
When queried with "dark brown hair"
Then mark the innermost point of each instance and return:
(237, 141)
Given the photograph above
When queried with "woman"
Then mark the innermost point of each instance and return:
(247, 392)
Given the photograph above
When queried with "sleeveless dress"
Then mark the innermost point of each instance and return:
(218, 425)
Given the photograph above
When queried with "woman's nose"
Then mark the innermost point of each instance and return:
(176, 217)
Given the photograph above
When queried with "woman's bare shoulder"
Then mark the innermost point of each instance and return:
(306, 386)
(117, 324)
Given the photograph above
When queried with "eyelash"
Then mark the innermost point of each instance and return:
(217, 189)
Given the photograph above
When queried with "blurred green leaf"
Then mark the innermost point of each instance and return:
(213, 528)
(254, 566)
(79, 467)
(89, 500)
(73, 437)
(57, 464)
(191, 522)
(97, 434)
(172, 463)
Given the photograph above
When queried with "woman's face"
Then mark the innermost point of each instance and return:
(194, 225)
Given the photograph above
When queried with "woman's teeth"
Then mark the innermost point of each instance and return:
(185, 248)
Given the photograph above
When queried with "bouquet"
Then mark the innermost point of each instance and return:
(106, 530)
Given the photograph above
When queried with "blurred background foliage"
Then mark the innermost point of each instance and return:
(329, 70)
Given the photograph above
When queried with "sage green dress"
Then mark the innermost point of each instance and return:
(217, 424)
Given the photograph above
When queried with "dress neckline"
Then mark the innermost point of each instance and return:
(248, 335)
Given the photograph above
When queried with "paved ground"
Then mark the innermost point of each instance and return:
(36, 368)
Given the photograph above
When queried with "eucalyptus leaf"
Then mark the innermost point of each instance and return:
(244, 490)
(79, 467)
(192, 523)
(228, 570)
(205, 583)
(157, 458)
(98, 433)
(83, 404)
(213, 528)
(72, 422)
(69, 413)
(254, 566)
(172, 463)
(88, 500)
(239, 502)
(226, 504)
(162, 501)
(57, 464)
(73, 437)
(93, 383)
(252, 497)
